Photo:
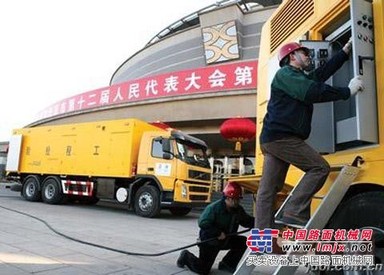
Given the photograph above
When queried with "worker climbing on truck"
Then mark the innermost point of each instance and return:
(218, 220)
(286, 126)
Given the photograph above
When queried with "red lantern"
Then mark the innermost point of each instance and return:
(238, 130)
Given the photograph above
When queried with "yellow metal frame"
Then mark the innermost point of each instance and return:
(326, 12)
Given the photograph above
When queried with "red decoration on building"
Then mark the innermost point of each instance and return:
(239, 130)
(237, 76)
(161, 125)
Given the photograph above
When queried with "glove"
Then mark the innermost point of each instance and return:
(348, 46)
(356, 85)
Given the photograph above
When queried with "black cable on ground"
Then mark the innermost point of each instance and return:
(114, 249)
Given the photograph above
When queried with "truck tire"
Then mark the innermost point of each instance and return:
(51, 191)
(362, 210)
(31, 187)
(180, 211)
(147, 201)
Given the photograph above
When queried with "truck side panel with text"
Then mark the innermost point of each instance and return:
(127, 160)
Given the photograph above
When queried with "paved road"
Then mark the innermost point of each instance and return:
(28, 246)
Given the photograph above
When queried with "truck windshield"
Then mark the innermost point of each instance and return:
(192, 153)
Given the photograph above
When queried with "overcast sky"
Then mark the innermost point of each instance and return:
(53, 49)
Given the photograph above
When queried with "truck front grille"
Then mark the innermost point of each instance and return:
(198, 175)
(198, 197)
(199, 189)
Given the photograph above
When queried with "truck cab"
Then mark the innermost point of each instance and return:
(177, 168)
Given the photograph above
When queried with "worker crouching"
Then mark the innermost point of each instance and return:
(220, 221)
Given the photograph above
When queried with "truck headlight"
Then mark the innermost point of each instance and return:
(184, 191)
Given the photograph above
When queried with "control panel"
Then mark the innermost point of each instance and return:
(322, 136)
(362, 126)
(348, 123)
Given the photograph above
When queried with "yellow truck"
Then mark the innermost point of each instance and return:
(130, 161)
(345, 132)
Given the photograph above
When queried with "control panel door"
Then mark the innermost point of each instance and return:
(365, 122)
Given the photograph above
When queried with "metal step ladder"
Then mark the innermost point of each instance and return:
(280, 211)
(318, 220)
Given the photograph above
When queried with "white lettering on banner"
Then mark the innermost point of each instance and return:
(192, 82)
(243, 75)
(104, 97)
(71, 104)
(134, 91)
(150, 88)
(163, 169)
(80, 102)
(171, 83)
(90, 97)
(217, 79)
(209, 79)
(118, 96)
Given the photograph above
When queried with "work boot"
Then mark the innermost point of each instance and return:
(182, 258)
(226, 267)
(292, 222)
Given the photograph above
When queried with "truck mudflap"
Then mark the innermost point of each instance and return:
(79, 188)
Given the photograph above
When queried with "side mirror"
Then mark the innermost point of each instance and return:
(166, 144)
(167, 156)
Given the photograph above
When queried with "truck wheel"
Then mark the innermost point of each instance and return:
(147, 201)
(30, 189)
(180, 211)
(364, 210)
(51, 191)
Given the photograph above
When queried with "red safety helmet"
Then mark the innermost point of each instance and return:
(289, 48)
(233, 190)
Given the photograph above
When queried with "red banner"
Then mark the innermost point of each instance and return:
(225, 77)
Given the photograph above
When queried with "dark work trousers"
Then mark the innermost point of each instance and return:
(208, 253)
(278, 155)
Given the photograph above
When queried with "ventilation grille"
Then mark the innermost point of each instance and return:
(288, 19)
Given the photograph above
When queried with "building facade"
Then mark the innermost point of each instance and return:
(193, 75)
